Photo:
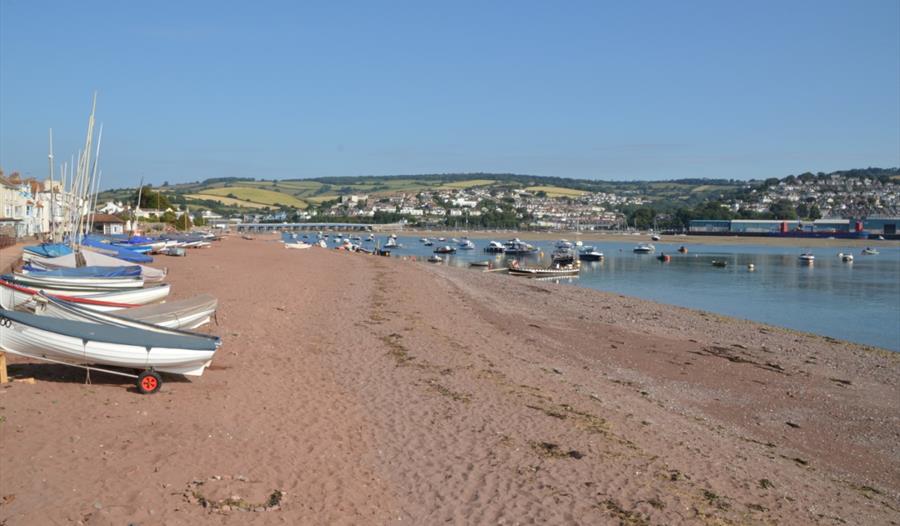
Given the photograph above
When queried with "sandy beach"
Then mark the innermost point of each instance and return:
(354, 389)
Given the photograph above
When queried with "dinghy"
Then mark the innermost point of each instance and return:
(75, 283)
(179, 314)
(91, 258)
(97, 272)
(14, 296)
(84, 344)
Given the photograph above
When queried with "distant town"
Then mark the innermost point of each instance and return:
(464, 201)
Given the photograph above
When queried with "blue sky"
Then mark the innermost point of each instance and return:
(608, 90)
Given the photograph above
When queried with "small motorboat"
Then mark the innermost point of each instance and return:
(563, 257)
(869, 251)
(434, 259)
(446, 249)
(589, 253)
(806, 257)
(519, 247)
(654, 237)
(847, 258)
(751, 267)
(428, 243)
(720, 263)
(466, 244)
(682, 249)
(442, 239)
(644, 248)
(392, 242)
(494, 247)
(423, 240)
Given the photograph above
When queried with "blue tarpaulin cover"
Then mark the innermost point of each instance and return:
(49, 250)
(86, 272)
(121, 253)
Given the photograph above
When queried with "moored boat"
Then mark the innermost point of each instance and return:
(869, 251)
(644, 248)
(807, 257)
(446, 249)
(515, 269)
(517, 247)
(589, 253)
(494, 247)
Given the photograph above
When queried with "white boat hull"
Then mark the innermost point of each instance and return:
(22, 339)
(16, 298)
(90, 284)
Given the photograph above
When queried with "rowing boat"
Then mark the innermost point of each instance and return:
(91, 258)
(14, 296)
(183, 314)
(78, 343)
(87, 284)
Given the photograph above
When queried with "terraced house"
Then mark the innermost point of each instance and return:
(24, 206)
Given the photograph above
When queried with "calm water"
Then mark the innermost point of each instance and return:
(857, 301)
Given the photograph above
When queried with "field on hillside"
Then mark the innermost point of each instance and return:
(472, 183)
(228, 201)
(556, 191)
(256, 195)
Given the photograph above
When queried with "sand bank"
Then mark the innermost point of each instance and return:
(376, 390)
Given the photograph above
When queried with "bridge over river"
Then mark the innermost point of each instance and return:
(294, 227)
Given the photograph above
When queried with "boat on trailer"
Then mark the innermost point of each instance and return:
(87, 345)
(185, 314)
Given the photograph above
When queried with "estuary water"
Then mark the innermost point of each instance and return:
(858, 301)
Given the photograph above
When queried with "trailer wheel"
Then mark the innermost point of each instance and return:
(148, 382)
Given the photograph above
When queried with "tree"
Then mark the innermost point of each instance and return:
(783, 209)
(802, 210)
(151, 200)
(814, 212)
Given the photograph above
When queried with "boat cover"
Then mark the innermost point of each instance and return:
(49, 250)
(92, 258)
(111, 334)
(85, 272)
(121, 253)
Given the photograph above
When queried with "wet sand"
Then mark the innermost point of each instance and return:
(377, 390)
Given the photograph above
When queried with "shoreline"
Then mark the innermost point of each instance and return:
(503, 235)
(375, 389)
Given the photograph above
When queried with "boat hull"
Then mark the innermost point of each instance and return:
(30, 339)
(13, 296)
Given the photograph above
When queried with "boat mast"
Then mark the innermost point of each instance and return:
(84, 166)
(136, 206)
(52, 193)
(95, 179)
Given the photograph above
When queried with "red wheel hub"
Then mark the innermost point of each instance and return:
(149, 383)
